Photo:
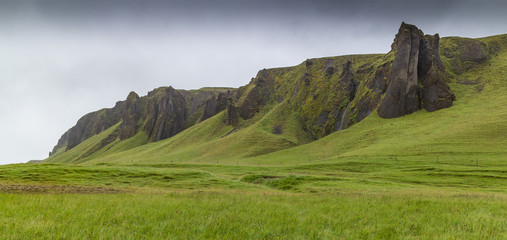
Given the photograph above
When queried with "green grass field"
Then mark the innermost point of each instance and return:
(439, 175)
(347, 198)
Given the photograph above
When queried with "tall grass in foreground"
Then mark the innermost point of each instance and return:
(205, 215)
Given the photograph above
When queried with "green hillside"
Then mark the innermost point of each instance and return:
(472, 130)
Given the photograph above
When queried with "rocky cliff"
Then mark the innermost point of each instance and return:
(333, 93)
(313, 99)
(417, 76)
(161, 114)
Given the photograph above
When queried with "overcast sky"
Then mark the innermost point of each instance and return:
(60, 59)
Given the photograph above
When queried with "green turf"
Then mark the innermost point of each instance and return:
(353, 198)
(258, 216)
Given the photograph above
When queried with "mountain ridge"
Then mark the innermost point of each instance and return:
(293, 105)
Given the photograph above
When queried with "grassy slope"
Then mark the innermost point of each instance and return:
(471, 132)
(75, 155)
(473, 129)
(212, 140)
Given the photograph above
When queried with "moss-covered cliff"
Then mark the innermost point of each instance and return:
(285, 107)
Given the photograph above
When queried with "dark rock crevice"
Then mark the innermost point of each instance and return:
(348, 86)
(216, 104)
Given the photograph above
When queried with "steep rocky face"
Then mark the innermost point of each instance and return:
(375, 88)
(416, 62)
(89, 125)
(130, 117)
(348, 87)
(260, 93)
(432, 76)
(163, 113)
(331, 95)
(232, 118)
(166, 114)
(216, 104)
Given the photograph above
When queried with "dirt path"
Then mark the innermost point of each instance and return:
(28, 188)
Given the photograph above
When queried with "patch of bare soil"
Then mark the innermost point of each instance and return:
(27, 188)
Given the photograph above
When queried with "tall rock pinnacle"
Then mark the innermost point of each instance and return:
(417, 78)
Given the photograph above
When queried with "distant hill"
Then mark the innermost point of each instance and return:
(35, 161)
(427, 96)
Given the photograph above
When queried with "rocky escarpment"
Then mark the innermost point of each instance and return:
(89, 125)
(166, 114)
(161, 114)
(130, 116)
(301, 103)
(258, 93)
(217, 104)
(417, 78)
(331, 94)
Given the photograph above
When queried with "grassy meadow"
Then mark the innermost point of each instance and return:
(347, 199)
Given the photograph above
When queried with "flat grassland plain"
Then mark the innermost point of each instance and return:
(440, 175)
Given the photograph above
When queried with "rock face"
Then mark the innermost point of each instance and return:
(259, 93)
(377, 86)
(312, 100)
(431, 73)
(232, 115)
(161, 114)
(216, 104)
(130, 117)
(465, 53)
(349, 85)
(166, 114)
(416, 62)
(89, 125)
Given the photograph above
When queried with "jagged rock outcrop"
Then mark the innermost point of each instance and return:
(232, 118)
(259, 94)
(166, 114)
(416, 62)
(216, 104)
(130, 117)
(465, 53)
(163, 113)
(435, 94)
(376, 87)
(348, 87)
(89, 125)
